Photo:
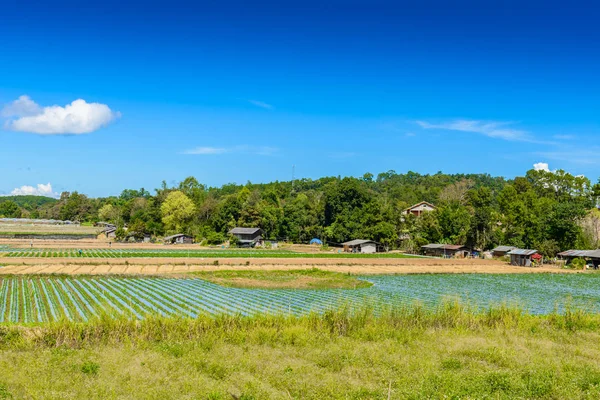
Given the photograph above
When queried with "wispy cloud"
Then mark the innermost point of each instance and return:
(261, 104)
(493, 129)
(242, 149)
(39, 190)
(25, 115)
(564, 137)
(571, 155)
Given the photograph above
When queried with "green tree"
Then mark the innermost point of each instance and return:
(177, 210)
(10, 209)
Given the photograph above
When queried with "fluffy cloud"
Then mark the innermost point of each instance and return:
(75, 118)
(244, 149)
(541, 166)
(493, 129)
(39, 190)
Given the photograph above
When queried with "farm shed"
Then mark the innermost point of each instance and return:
(247, 237)
(109, 232)
(523, 257)
(501, 251)
(179, 238)
(445, 250)
(419, 208)
(592, 256)
(362, 246)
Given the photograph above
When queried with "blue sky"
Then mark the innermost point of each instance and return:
(242, 91)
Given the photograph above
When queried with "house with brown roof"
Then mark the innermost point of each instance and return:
(419, 208)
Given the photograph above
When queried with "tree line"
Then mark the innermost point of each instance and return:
(549, 211)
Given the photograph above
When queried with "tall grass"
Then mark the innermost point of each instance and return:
(345, 321)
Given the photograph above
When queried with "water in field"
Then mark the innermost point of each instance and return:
(40, 299)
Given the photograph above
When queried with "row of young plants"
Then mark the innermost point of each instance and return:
(155, 253)
(52, 298)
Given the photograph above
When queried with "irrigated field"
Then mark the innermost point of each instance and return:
(38, 299)
(179, 253)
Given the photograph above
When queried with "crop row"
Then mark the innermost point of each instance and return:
(176, 253)
(43, 299)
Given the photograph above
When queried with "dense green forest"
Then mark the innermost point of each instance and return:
(549, 211)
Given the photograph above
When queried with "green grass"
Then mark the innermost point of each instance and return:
(293, 279)
(408, 353)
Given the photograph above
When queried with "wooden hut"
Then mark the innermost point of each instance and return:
(362, 246)
(501, 251)
(247, 237)
(179, 238)
(523, 257)
(445, 250)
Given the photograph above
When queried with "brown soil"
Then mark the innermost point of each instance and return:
(183, 265)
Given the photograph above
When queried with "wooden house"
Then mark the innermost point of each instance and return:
(362, 246)
(501, 251)
(523, 257)
(179, 238)
(445, 250)
(591, 256)
(247, 237)
(419, 209)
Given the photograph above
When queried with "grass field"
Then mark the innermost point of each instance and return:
(180, 253)
(291, 279)
(408, 353)
(43, 229)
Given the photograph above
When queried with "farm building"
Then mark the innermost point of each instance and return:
(362, 246)
(445, 250)
(501, 251)
(247, 237)
(180, 238)
(419, 208)
(110, 232)
(523, 257)
(592, 256)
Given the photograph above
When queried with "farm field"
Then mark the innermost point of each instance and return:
(39, 299)
(46, 229)
(179, 253)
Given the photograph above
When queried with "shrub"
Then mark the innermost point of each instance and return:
(578, 263)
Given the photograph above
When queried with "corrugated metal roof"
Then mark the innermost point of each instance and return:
(443, 246)
(243, 231)
(522, 252)
(175, 236)
(358, 242)
(580, 253)
(504, 248)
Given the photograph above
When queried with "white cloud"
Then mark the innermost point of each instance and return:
(541, 166)
(22, 107)
(242, 149)
(261, 104)
(39, 190)
(493, 129)
(75, 118)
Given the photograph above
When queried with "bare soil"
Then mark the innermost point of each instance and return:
(153, 266)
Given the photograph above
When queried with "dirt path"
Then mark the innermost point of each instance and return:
(153, 266)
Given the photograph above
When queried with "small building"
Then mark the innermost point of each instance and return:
(179, 238)
(501, 251)
(362, 246)
(419, 209)
(247, 237)
(445, 250)
(523, 257)
(591, 256)
(109, 232)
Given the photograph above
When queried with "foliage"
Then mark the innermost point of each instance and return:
(545, 210)
(177, 211)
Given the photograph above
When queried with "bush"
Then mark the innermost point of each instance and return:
(578, 263)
